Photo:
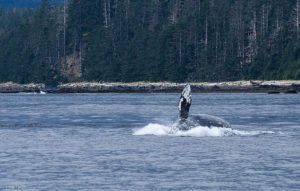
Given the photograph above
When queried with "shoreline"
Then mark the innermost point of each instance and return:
(255, 86)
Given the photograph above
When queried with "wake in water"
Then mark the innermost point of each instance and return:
(199, 131)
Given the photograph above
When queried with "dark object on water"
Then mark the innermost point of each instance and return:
(187, 121)
(273, 92)
(291, 92)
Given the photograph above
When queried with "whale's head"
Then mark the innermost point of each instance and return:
(185, 102)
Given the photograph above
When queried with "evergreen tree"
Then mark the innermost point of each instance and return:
(125, 40)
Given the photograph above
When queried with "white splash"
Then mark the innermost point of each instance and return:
(162, 130)
(153, 129)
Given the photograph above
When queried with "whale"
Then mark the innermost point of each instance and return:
(187, 121)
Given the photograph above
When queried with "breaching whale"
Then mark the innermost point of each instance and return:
(186, 121)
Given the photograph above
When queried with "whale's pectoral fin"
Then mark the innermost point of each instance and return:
(185, 102)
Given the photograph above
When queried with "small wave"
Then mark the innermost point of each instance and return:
(33, 93)
(22, 125)
(163, 130)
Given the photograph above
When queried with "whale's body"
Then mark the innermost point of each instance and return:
(187, 121)
(201, 120)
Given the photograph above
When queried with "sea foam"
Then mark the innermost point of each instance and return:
(199, 131)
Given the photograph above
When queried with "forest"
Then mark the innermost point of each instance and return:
(150, 40)
(9, 4)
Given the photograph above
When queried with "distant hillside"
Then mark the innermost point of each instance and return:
(22, 3)
(150, 40)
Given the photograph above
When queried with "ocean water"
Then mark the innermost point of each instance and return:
(123, 142)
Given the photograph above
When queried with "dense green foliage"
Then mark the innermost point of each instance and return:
(151, 40)
(8, 4)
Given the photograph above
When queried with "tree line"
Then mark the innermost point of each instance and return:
(8, 4)
(151, 40)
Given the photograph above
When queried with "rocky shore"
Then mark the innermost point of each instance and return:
(159, 87)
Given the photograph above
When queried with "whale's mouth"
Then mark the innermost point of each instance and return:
(199, 131)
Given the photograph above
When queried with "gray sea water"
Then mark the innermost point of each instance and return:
(123, 142)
